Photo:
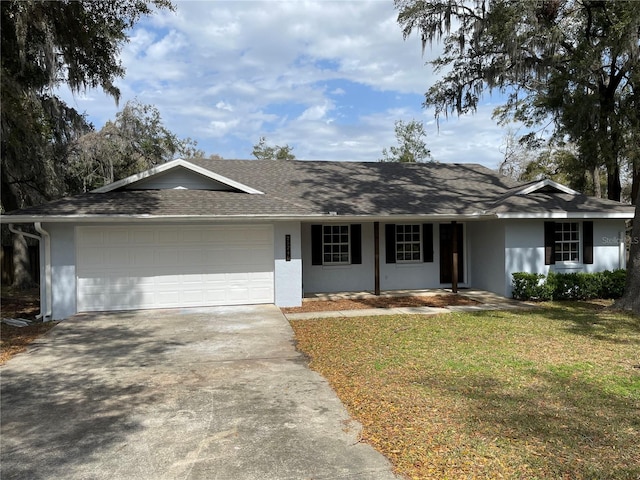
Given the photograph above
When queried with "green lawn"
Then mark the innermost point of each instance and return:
(546, 393)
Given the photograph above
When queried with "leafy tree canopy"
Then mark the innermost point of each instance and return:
(135, 141)
(264, 151)
(46, 44)
(574, 61)
(411, 144)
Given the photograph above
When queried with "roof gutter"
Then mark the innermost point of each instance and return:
(334, 217)
(324, 217)
(574, 215)
(45, 301)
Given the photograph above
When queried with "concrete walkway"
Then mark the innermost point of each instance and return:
(216, 393)
(487, 301)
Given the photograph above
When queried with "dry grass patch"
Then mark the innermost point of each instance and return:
(14, 340)
(550, 393)
(19, 304)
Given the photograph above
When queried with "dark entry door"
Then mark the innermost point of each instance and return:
(446, 252)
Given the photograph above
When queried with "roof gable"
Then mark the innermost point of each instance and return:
(178, 174)
(546, 186)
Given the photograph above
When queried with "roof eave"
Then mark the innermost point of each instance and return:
(576, 215)
(325, 217)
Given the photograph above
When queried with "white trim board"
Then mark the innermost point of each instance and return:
(179, 163)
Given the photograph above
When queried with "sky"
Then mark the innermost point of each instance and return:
(328, 78)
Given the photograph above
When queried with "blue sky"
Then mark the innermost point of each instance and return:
(328, 78)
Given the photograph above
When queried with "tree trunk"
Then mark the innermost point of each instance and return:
(614, 188)
(597, 188)
(21, 263)
(631, 298)
(635, 182)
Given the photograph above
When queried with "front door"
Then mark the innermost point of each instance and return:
(446, 252)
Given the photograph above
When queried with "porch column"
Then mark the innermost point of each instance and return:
(454, 259)
(376, 261)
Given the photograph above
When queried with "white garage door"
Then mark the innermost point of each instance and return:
(125, 268)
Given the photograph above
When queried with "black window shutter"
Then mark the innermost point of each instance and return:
(587, 242)
(549, 243)
(316, 244)
(390, 242)
(427, 242)
(356, 244)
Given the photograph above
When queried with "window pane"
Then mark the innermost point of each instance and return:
(408, 245)
(335, 244)
(567, 241)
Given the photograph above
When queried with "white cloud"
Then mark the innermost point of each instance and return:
(316, 112)
(224, 106)
(298, 72)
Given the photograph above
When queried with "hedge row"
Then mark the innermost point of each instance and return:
(568, 286)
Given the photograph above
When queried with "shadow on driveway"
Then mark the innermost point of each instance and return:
(197, 393)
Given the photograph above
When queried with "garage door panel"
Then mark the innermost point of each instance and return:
(161, 266)
(142, 237)
(192, 257)
(192, 236)
(116, 257)
(116, 236)
(141, 256)
(167, 237)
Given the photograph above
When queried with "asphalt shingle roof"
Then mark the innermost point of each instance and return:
(308, 188)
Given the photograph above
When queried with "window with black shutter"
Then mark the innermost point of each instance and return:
(336, 244)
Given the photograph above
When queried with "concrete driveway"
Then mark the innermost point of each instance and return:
(217, 393)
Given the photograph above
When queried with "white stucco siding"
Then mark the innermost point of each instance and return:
(412, 275)
(338, 278)
(607, 252)
(409, 276)
(486, 245)
(361, 277)
(63, 270)
(524, 249)
(288, 273)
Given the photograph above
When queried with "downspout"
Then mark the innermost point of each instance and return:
(48, 288)
(47, 280)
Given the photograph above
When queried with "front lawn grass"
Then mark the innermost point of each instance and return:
(546, 393)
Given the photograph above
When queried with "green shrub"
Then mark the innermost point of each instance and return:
(576, 286)
(529, 286)
(612, 285)
(568, 286)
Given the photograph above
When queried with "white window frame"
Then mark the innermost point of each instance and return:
(402, 252)
(341, 245)
(559, 243)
